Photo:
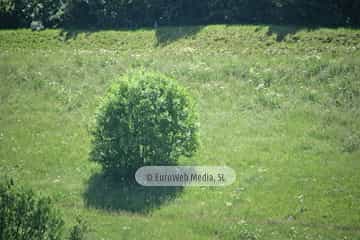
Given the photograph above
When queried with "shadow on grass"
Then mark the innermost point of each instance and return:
(282, 32)
(167, 35)
(164, 35)
(109, 193)
(71, 34)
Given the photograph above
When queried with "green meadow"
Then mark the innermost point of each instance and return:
(278, 104)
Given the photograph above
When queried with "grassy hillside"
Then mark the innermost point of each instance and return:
(280, 105)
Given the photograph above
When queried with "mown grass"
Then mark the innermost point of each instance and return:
(278, 104)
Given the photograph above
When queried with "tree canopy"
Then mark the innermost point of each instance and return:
(140, 13)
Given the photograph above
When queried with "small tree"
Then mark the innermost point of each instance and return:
(24, 216)
(146, 118)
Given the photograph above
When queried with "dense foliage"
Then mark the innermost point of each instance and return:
(145, 119)
(79, 231)
(25, 216)
(136, 13)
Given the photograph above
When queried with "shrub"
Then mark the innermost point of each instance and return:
(146, 118)
(79, 231)
(23, 216)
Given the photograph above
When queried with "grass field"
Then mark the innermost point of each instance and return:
(278, 104)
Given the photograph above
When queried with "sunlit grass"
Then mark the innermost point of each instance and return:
(283, 112)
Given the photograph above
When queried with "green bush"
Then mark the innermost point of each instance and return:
(23, 216)
(146, 118)
(79, 231)
(21, 13)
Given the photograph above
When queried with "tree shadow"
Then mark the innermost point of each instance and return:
(71, 34)
(167, 35)
(282, 31)
(164, 35)
(109, 193)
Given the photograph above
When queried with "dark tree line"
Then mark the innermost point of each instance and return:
(139, 13)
